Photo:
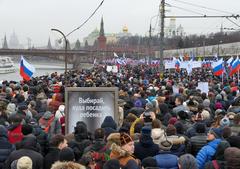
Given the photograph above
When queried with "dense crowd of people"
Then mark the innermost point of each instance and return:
(157, 127)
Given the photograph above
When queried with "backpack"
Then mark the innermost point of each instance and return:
(15, 135)
(46, 124)
(99, 157)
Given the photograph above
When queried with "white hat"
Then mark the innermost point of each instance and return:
(24, 163)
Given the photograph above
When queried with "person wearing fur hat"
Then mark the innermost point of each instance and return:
(24, 163)
(207, 152)
(124, 151)
(145, 147)
(67, 165)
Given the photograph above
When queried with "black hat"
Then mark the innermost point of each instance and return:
(149, 162)
(66, 154)
(112, 164)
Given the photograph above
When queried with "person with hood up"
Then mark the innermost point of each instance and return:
(157, 133)
(28, 149)
(5, 146)
(145, 147)
(124, 151)
(80, 140)
(109, 125)
(207, 152)
(50, 124)
(187, 161)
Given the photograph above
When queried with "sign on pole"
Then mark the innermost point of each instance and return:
(90, 105)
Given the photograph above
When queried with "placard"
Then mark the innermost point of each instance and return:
(203, 86)
(91, 105)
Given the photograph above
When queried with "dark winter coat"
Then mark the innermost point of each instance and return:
(196, 143)
(51, 157)
(5, 146)
(145, 147)
(28, 149)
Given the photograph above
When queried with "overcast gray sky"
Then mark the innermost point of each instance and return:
(35, 18)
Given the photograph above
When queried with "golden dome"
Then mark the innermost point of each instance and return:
(125, 29)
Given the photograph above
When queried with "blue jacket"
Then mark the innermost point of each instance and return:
(207, 152)
(166, 160)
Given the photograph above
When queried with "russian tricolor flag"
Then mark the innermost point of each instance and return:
(26, 69)
(218, 67)
(234, 67)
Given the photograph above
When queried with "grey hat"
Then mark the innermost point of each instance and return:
(187, 161)
(218, 97)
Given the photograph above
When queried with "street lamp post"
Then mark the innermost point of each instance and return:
(66, 45)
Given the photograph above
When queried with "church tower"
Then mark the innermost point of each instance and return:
(102, 39)
(5, 45)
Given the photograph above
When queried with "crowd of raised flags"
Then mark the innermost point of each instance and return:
(218, 66)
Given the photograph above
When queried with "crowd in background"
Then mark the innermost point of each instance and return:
(156, 128)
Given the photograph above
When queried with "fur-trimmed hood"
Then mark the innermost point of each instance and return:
(118, 152)
(67, 165)
(157, 135)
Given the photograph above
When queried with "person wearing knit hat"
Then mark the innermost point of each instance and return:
(207, 152)
(66, 154)
(216, 132)
(112, 164)
(165, 159)
(225, 122)
(145, 147)
(149, 162)
(124, 151)
(24, 163)
(187, 161)
(172, 120)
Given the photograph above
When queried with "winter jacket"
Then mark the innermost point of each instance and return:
(54, 127)
(15, 133)
(51, 157)
(145, 147)
(5, 146)
(207, 152)
(121, 155)
(196, 143)
(166, 160)
(29, 150)
(235, 130)
(179, 108)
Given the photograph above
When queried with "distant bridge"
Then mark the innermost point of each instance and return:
(42, 52)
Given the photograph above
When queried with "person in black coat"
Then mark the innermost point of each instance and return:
(28, 149)
(5, 146)
(145, 147)
(57, 143)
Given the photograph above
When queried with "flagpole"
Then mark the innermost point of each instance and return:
(238, 76)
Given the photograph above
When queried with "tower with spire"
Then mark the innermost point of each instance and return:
(102, 39)
(49, 46)
(5, 45)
